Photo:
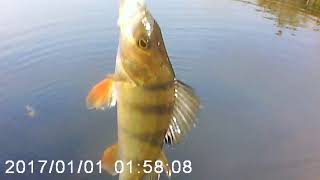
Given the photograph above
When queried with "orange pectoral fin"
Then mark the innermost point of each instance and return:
(109, 158)
(101, 95)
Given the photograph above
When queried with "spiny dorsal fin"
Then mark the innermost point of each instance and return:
(185, 112)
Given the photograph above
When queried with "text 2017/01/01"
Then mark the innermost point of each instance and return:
(52, 166)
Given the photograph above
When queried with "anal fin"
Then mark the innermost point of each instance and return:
(109, 157)
(186, 107)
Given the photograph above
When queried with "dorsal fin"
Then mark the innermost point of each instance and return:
(151, 176)
(186, 107)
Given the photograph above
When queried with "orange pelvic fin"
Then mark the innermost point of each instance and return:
(102, 95)
(109, 157)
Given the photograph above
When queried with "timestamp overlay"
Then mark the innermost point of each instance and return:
(45, 167)
(149, 166)
(34, 168)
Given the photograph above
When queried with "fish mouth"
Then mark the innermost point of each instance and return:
(131, 11)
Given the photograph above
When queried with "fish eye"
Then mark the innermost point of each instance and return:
(143, 43)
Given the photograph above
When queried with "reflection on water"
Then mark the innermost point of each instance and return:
(290, 14)
(258, 83)
(30, 111)
(294, 13)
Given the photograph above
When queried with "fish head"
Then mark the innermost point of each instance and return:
(141, 47)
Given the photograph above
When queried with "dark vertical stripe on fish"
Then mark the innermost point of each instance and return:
(157, 109)
(150, 138)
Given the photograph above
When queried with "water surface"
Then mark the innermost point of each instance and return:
(254, 64)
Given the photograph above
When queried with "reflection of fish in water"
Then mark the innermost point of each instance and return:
(153, 107)
(30, 111)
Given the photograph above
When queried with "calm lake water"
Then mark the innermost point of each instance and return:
(254, 64)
